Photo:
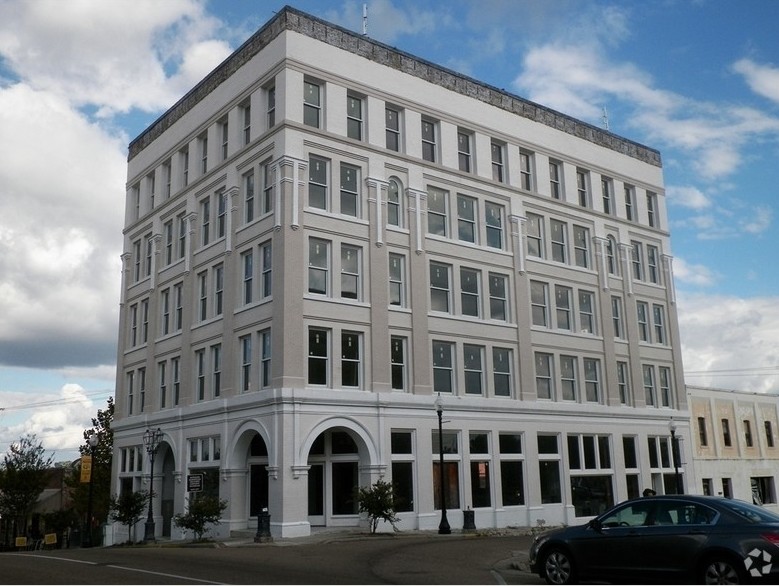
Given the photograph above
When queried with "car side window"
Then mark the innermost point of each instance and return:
(674, 513)
(634, 515)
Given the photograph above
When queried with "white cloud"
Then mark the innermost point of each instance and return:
(694, 274)
(734, 336)
(687, 196)
(762, 79)
(388, 22)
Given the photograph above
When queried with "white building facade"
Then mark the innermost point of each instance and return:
(735, 444)
(326, 233)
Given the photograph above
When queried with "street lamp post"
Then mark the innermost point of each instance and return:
(86, 539)
(151, 441)
(675, 455)
(443, 526)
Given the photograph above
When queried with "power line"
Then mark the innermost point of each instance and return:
(58, 401)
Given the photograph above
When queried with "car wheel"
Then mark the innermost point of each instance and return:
(722, 570)
(558, 567)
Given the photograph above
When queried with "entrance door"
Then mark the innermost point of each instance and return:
(316, 494)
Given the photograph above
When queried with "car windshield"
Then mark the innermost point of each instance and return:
(749, 512)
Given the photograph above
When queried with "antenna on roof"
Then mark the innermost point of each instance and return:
(365, 20)
(605, 119)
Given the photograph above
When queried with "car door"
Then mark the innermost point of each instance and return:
(610, 546)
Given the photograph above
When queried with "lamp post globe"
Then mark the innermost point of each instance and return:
(151, 441)
(443, 526)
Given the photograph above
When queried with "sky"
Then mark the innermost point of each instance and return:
(696, 79)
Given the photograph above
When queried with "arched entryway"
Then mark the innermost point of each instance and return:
(257, 464)
(166, 488)
(334, 461)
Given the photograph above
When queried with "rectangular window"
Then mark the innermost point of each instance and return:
(480, 484)
(144, 321)
(658, 313)
(168, 230)
(221, 214)
(318, 170)
(549, 469)
(133, 325)
(511, 469)
(429, 141)
(218, 275)
(525, 171)
(318, 266)
(354, 117)
(142, 387)
(312, 104)
(130, 391)
(148, 246)
(555, 187)
(665, 385)
(178, 300)
(630, 200)
(350, 200)
(200, 380)
(443, 367)
(473, 359)
(402, 444)
(703, 437)
(397, 278)
(216, 370)
(246, 111)
(583, 187)
(494, 220)
(437, 210)
(569, 390)
(607, 189)
(398, 362)
(559, 240)
(163, 390)
(769, 434)
(225, 138)
(182, 222)
(637, 261)
(623, 383)
(167, 177)
(203, 154)
(544, 381)
(440, 287)
(205, 221)
(563, 307)
(748, 433)
(466, 218)
(498, 297)
(726, 433)
(245, 343)
(202, 279)
(165, 303)
(248, 197)
(350, 359)
(151, 181)
(581, 246)
(350, 272)
(247, 262)
(649, 384)
(266, 271)
(651, 209)
(268, 188)
(616, 317)
(535, 235)
(652, 270)
(539, 301)
(498, 168)
(392, 129)
(469, 292)
(318, 356)
(464, 151)
(642, 315)
(175, 364)
(265, 359)
(592, 380)
(501, 372)
(587, 312)
(184, 153)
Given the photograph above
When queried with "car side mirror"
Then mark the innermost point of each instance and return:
(596, 525)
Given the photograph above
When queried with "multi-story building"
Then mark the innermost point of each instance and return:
(735, 443)
(327, 233)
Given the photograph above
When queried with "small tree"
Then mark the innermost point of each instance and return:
(128, 509)
(203, 510)
(23, 476)
(379, 502)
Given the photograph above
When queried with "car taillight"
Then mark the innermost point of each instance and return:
(771, 537)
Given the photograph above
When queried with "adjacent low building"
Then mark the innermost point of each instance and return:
(326, 234)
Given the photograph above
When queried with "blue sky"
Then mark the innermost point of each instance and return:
(698, 80)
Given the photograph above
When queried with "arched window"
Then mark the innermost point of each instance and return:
(394, 204)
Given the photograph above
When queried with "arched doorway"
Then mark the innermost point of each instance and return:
(333, 477)
(257, 463)
(167, 489)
